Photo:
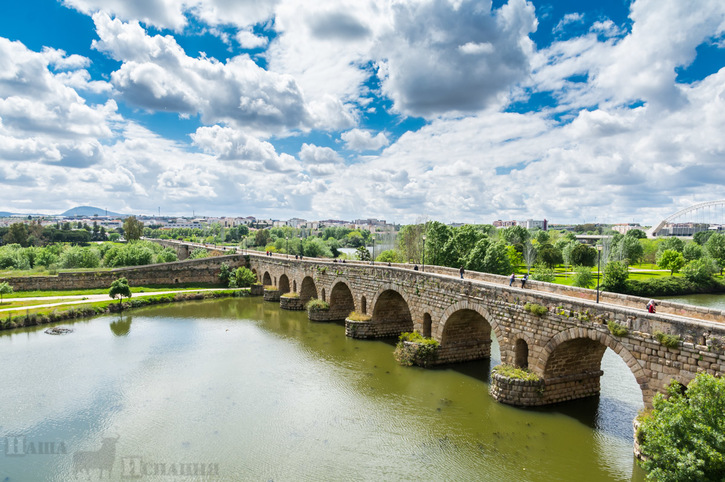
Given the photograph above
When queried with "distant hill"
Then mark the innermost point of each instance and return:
(5, 214)
(88, 211)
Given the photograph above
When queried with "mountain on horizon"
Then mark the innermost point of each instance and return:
(88, 211)
(5, 214)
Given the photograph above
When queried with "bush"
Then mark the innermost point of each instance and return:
(616, 329)
(682, 437)
(536, 309)
(423, 351)
(541, 272)
(583, 277)
(510, 371)
(317, 305)
(198, 253)
(670, 341)
(670, 285)
(700, 270)
(77, 257)
(242, 278)
(291, 295)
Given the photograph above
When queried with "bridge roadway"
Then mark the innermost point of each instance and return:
(563, 346)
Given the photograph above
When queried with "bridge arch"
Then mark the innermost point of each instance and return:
(695, 207)
(464, 333)
(266, 279)
(308, 290)
(576, 354)
(283, 284)
(341, 302)
(391, 311)
(466, 305)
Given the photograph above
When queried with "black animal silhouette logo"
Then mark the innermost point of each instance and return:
(102, 459)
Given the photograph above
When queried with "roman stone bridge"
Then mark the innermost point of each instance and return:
(559, 333)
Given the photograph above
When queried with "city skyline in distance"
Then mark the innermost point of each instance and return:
(453, 111)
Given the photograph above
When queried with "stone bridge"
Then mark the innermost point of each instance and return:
(563, 344)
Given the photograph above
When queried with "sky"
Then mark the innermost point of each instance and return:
(405, 110)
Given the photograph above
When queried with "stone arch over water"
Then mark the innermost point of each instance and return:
(465, 335)
(283, 284)
(575, 356)
(266, 279)
(390, 306)
(341, 301)
(308, 290)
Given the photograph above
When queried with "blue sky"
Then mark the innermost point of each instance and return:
(454, 110)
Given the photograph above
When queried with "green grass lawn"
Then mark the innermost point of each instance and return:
(102, 291)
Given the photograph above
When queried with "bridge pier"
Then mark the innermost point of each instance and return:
(372, 329)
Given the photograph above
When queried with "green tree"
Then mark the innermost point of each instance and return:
(242, 278)
(261, 237)
(17, 234)
(114, 237)
(715, 248)
(78, 257)
(627, 248)
(363, 254)
(198, 253)
(682, 438)
(515, 234)
(132, 228)
(497, 259)
(692, 251)
(224, 273)
(673, 243)
(120, 289)
(515, 257)
(316, 248)
(636, 233)
(671, 260)
(542, 272)
(700, 270)
(476, 259)
(390, 256)
(437, 236)
(583, 255)
(5, 289)
(701, 237)
(550, 256)
(583, 277)
(616, 274)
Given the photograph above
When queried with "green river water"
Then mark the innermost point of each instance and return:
(250, 392)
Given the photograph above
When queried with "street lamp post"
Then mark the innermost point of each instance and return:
(287, 240)
(424, 252)
(599, 269)
(302, 250)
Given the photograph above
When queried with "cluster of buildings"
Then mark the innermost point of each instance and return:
(528, 224)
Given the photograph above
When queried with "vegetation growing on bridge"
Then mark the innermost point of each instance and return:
(355, 316)
(415, 349)
(683, 437)
(670, 341)
(616, 329)
(536, 309)
(510, 371)
(317, 305)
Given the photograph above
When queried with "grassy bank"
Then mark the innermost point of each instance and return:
(104, 291)
(40, 316)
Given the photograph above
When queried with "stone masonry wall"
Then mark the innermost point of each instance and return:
(205, 270)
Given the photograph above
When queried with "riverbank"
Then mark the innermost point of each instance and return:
(68, 312)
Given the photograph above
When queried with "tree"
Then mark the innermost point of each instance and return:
(242, 278)
(18, 234)
(363, 254)
(390, 256)
(682, 438)
(5, 289)
(529, 255)
(583, 255)
(692, 251)
(132, 228)
(121, 289)
(671, 260)
(515, 234)
(627, 248)
(550, 256)
(715, 248)
(542, 272)
(438, 235)
(198, 253)
(700, 270)
(615, 276)
(672, 242)
(583, 277)
(636, 233)
(476, 259)
(224, 273)
(701, 237)
(261, 237)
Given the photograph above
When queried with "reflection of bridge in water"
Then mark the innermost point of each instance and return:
(704, 216)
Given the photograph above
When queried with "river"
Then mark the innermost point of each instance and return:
(247, 391)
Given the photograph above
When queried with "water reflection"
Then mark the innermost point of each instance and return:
(122, 326)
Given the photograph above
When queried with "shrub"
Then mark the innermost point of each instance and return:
(242, 278)
(510, 371)
(536, 309)
(355, 316)
(291, 295)
(665, 339)
(583, 277)
(616, 329)
(541, 272)
(616, 274)
(700, 270)
(198, 253)
(270, 288)
(419, 351)
(317, 305)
